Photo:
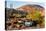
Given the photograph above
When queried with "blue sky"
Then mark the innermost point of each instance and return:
(17, 4)
(28, 0)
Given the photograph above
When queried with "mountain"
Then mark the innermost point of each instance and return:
(32, 8)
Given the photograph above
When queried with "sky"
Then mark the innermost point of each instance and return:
(17, 4)
(28, 0)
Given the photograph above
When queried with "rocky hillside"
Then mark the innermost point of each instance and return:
(32, 8)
